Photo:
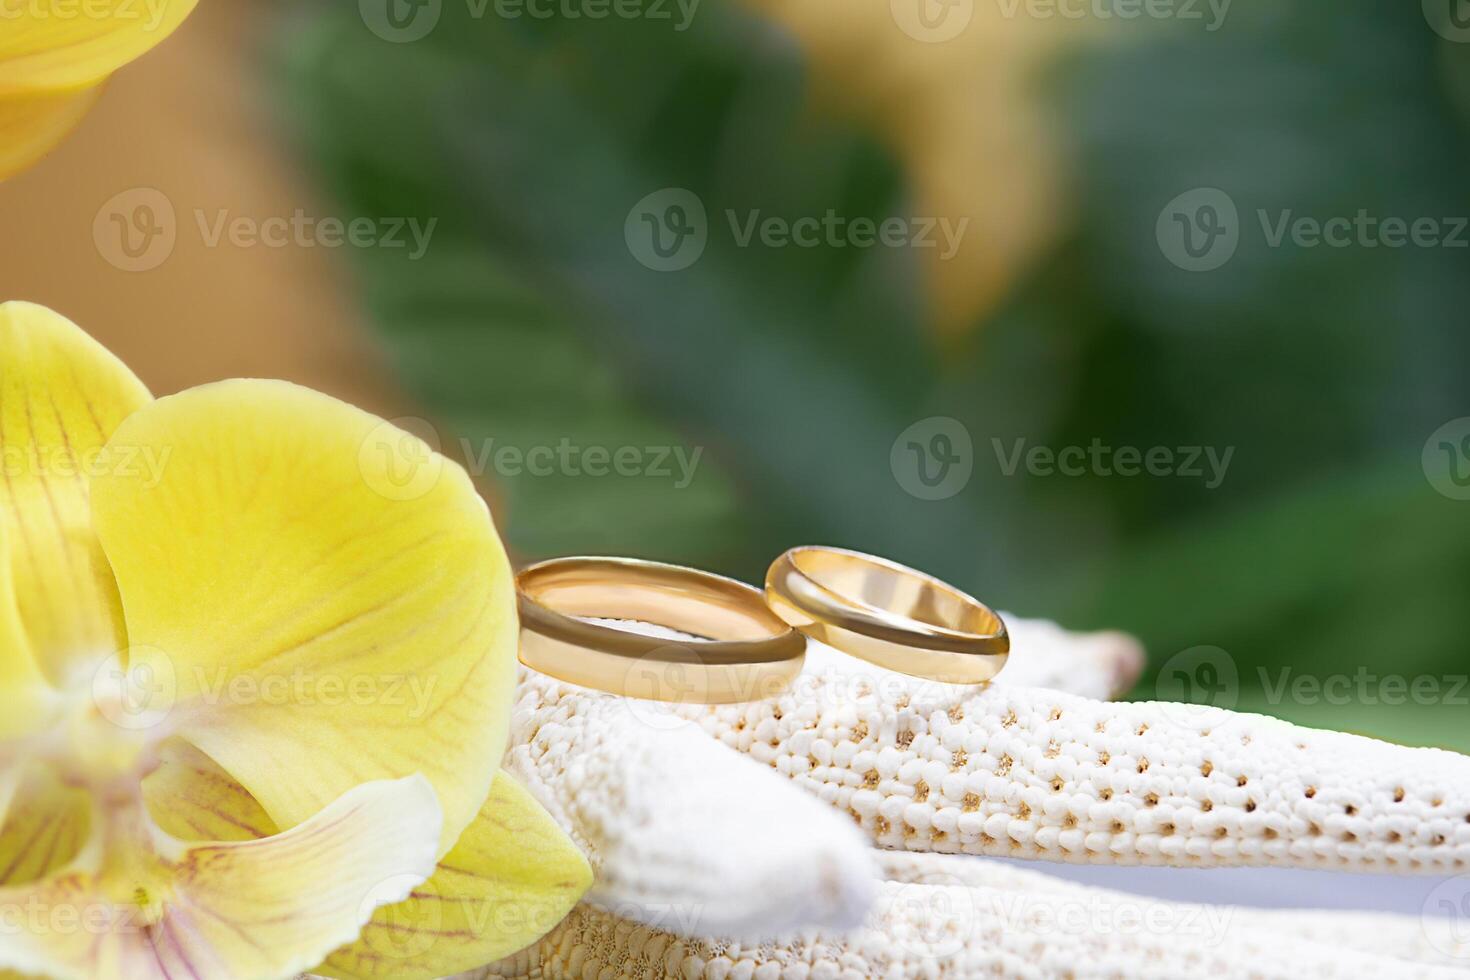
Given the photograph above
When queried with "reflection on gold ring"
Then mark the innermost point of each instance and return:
(745, 652)
(888, 614)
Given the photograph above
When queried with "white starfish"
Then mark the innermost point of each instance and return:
(710, 866)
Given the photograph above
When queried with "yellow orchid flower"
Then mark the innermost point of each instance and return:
(54, 57)
(256, 662)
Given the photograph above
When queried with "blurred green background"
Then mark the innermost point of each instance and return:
(1327, 548)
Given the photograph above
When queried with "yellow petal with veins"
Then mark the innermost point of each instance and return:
(325, 597)
(192, 798)
(57, 44)
(26, 697)
(44, 828)
(267, 908)
(511, 878)
(61, 397)
(32, 124)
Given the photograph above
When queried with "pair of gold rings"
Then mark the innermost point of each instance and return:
(749, 645)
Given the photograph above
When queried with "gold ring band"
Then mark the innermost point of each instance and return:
(888, 614)
(746, 652)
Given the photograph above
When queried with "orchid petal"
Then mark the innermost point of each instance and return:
(325, 597)
(513, 876)
(44, 826)
(192, 798)
(267, 908)
(61, 44)
(61, 396)
(32, 124)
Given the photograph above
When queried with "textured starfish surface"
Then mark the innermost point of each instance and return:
(1034, 772)
(759, 862)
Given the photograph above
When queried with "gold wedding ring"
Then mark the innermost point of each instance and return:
(745, 651)
(888, 614)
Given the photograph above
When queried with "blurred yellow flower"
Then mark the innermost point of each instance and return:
(257, 651)
(956, 87)
(54, 57)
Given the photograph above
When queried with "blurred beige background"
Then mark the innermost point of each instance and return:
(187, 120)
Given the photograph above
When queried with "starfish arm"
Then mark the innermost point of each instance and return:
(1413, 939)
(1102, 665)
(950, 929)
(1029, 772)
(682, 833)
